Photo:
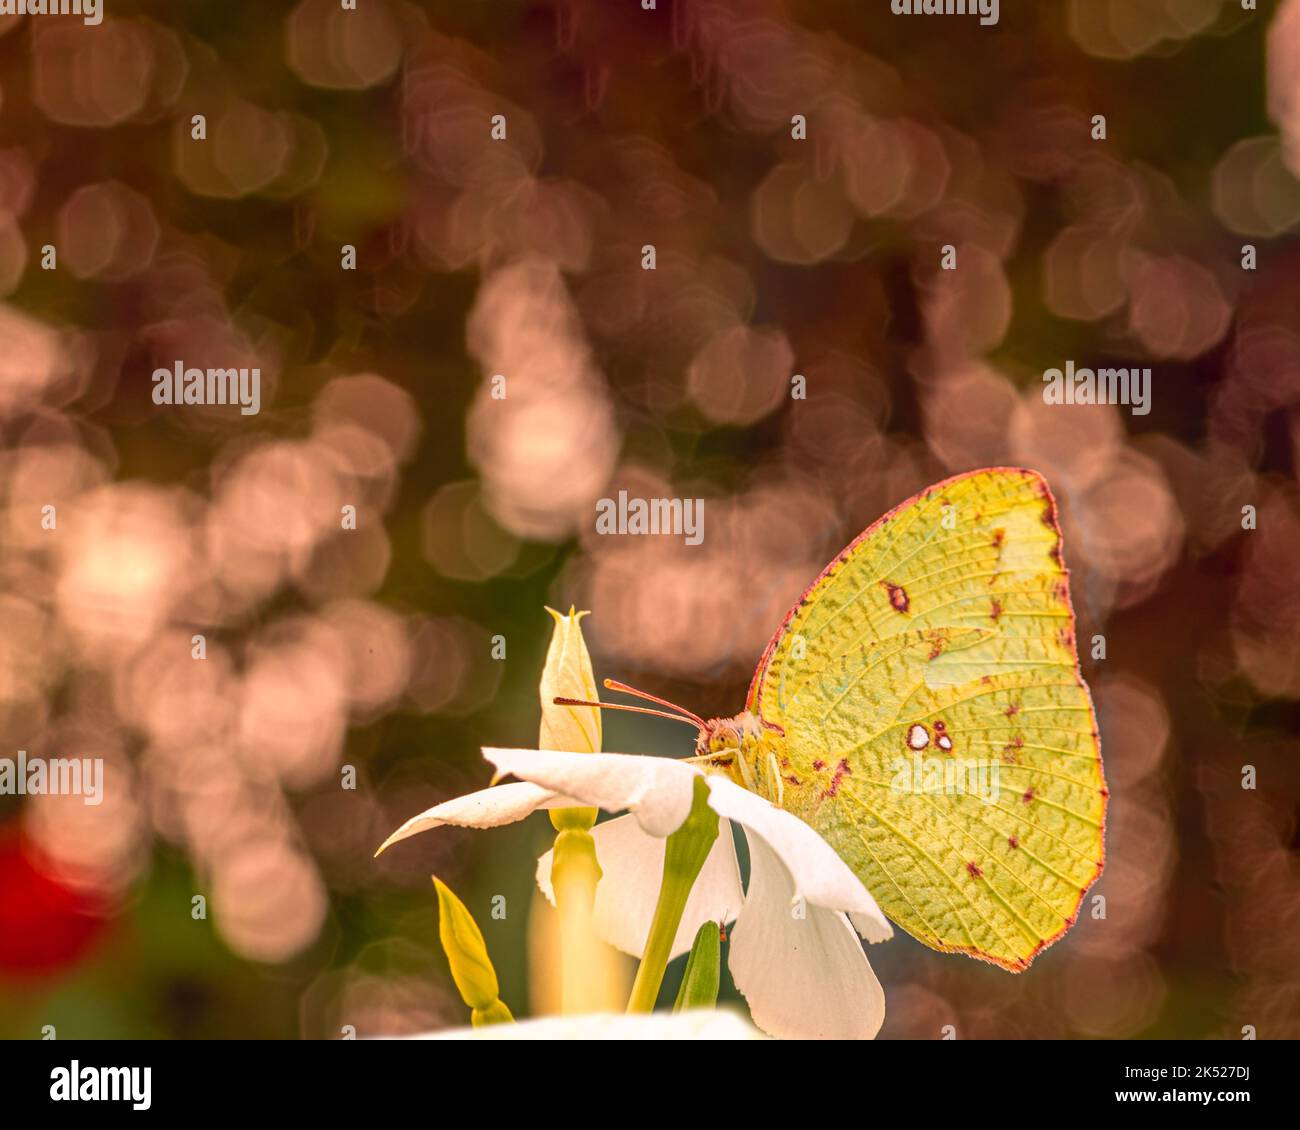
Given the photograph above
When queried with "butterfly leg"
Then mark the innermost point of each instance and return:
(747, 775)
(776, 776)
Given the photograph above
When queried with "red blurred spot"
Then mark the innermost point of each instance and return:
(45, 927)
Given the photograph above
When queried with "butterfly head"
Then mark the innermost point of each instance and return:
(741, 747)
(721, 736)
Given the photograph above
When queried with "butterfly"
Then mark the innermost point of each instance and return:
(922, 707)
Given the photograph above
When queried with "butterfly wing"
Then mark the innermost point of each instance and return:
(929, 689)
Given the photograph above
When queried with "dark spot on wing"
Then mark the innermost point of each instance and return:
(1048, 515)
(841, 770)
(897, 597)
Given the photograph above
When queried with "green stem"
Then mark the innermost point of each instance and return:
(495, 1013)
(574, 875)
(684, 856)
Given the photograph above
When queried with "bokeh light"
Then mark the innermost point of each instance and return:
(794, 260)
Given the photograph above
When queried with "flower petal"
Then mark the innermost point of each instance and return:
(697, 1024)
(804, 977)
(657, 789)
(632, 868)
(487, 808)
(816, 870)
(873, 927)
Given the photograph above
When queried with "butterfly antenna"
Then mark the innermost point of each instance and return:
(621, 706)
(614, 685)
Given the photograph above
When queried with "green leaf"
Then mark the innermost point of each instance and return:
(700, 981)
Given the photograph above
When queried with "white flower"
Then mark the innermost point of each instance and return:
(694, 1024)
(794, 951)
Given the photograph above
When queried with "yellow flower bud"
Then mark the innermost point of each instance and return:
(568, 674)
(585, 961)
(471, 968)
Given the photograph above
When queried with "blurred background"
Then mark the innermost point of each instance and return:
(775, 256)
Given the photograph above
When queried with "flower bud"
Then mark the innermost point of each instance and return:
(568, 674)
(471, 968)
(701, 979)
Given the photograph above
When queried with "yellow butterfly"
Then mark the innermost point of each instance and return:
(922, 707)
